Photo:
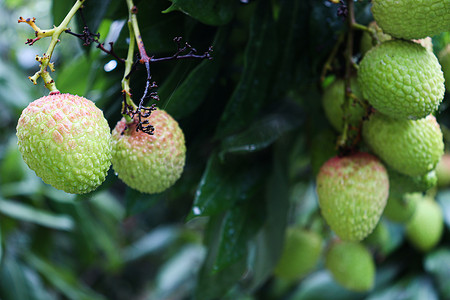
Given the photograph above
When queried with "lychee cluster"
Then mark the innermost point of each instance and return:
(401, 82)
(67, 141)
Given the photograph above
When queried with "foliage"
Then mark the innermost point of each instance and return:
(249, 116)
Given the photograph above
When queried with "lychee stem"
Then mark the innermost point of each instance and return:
(126, 79)
(45, 59)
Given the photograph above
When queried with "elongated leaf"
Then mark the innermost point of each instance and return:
(437, 263)
(263, 133)
(27, 213)
(192, 92)
(212, 284)
(62, 279)
(225, 183)
(17, 281)
(211, 12)
(411, 288)
(267, 245)
(251, 92)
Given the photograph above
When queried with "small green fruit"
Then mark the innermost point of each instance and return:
(402, 79)
(412, 19)
(401, 207)
(66, 140)
(403, 184)
(301, 252)
(443, 171)
(425, 228)
(149, 163)
(411, 147)
(332, 101)
(351, 265)
(352, 193)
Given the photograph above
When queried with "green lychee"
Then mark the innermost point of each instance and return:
(66, 140)
(352, 193)
(411, 147)
(425, 228)
(412, 19)
(149, 163)
(401, 207)
(351, 265)
(332, 100)
(402, 79)
(301, 252)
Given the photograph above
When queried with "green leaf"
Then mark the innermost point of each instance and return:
(18, 281)
(28, 213)
(137, 202)
(60, 10)
(266, 247)
(192, 92)
(62, 279)
(239, 225)
(443, 198)
(212, 284)
(410, 288)
(251, 93)
(225, 183)
(211, 12)
(262, 133)
(437, 263)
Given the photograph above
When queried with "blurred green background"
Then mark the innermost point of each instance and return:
(249, 116)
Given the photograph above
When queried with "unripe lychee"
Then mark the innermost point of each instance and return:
(301, 252)
(66, 140)
(402, 184)
(332, 100)
(352, 193)
(401, 207)
(412, 19)
(411, 147)
(351, 265)
(424, 230)
(149, 163)
(401, 79)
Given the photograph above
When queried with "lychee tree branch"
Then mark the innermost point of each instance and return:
(45, 59)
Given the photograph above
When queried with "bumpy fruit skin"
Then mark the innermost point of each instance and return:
(149, 163)
(332, 101)
(443, 171)
(444, 59)
(412, 19)
(352, 193)
(402, 79)
(66, 140)
(425, 228)
(351, 265)
(400, 208)
(301, 252)
(411, 147)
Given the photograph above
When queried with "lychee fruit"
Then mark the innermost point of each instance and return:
(352, 193)
(301, 252)
(402, 79)
(351, 265)
(411, 147)
(145, 162)
(66, 140)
